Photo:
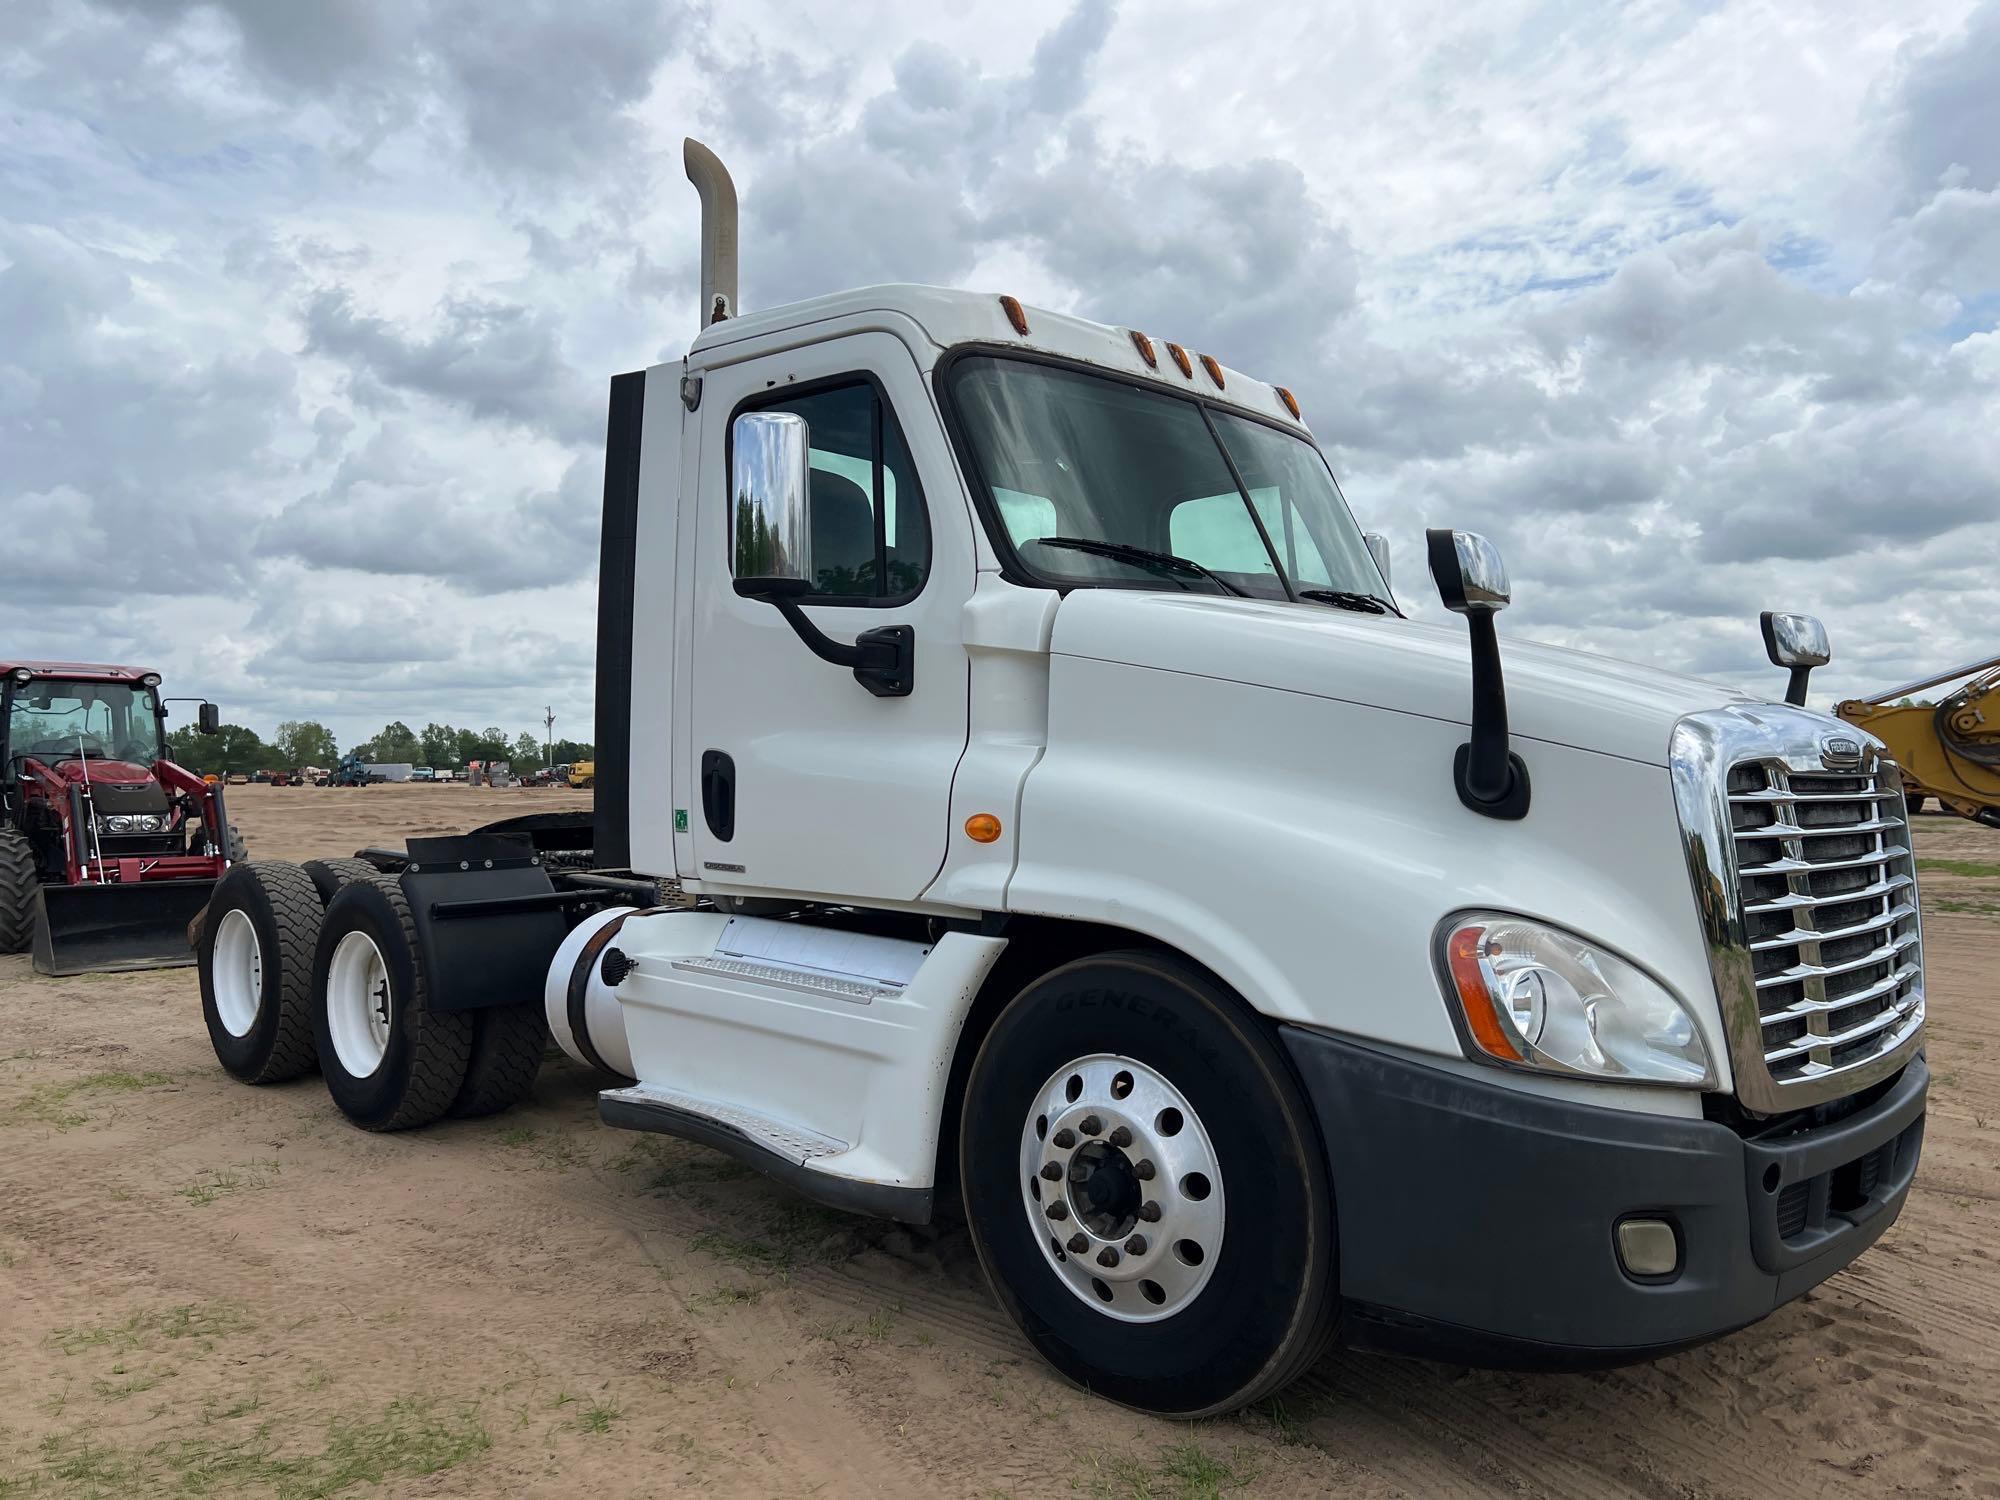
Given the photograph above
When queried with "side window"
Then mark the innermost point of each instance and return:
(871, 536)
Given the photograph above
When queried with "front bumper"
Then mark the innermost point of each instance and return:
(1478, 1222)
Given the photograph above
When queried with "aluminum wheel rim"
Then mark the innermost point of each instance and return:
(236, 971)
(1102, 1127)
(357, 1004)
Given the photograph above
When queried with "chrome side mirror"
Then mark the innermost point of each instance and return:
(1378, 548)
(1470, 577)
(1798, 642)
(770, 487)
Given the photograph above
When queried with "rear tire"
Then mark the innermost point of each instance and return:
(507, 1046)
(1194, 1314)
(17, 892)
(255, 956)
(390, 1061)
(329, 875)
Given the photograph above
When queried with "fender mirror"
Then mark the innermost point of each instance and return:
(1472, 581)
(1378, 548)
(1798, 642)
(208, 718)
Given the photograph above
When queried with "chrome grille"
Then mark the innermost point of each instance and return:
(1806, 889)
(1829, 902)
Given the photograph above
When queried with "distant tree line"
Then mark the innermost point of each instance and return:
(306, 742)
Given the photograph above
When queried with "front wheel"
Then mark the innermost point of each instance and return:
(1145, 1186)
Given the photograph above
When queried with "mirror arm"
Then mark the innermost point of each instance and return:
(1795, 688)
(883, 660)
(1491, 779)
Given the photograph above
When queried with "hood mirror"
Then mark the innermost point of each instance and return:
(1472, 581)
(1378, 548)
(1798, 642)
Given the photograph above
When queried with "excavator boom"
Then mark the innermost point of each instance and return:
(1949, 749)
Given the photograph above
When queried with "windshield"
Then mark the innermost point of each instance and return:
(1090, 474)
(47, 719)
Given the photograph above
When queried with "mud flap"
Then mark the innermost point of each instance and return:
(89, 929)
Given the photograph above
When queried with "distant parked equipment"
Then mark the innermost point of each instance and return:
(107, 848)
(583, 774)
(1950, 749)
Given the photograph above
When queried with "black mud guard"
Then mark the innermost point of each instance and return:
(474, 958)
(568, 832)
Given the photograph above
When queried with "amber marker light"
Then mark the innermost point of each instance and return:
(1291, 403)
(1462, 958)
(1214, 370)
(1181, 358)
(1145, 347)
(982, 828)
(1015, 315)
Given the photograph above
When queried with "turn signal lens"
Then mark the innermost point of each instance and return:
(1538, 997)
(1181, 359)
(982, 828)
(1214, 370)
(1291, 402)
(1145, 347)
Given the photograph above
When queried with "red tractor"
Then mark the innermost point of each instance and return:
(107, 848)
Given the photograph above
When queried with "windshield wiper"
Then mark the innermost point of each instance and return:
(1142, 555)
(1366, 604)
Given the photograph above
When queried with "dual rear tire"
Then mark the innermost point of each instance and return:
(322, 964)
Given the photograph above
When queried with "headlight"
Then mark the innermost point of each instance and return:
(1534, 996)
(133, 823)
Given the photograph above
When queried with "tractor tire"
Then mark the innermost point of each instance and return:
(17, 892)
(238, 850)
(390, 1061)
(507, 1046)
(255, 954)
(329, 875)
(1127, 1112)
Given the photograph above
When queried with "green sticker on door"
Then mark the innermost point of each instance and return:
(680, 820)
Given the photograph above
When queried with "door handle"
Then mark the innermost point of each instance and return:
(718, 794)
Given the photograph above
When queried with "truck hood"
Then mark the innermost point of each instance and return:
(1554, 694)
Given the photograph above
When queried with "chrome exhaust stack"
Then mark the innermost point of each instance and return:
(718, 230)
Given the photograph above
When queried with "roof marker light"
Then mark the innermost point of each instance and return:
(1012, 307)
(1291, 402)
(1145, 347)
(1181, 358)
(1214, 370)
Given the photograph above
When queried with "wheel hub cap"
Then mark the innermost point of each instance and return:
(357, 1004)
(236, 972)
(1122, 1188)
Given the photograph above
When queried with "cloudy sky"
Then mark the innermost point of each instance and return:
(306, 312)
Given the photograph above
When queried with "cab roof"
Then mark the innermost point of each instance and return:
(84, 670)
(950, 318)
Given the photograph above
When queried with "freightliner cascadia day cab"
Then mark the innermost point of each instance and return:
(1020, 796)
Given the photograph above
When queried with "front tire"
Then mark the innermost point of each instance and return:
(1180, 1257)
(255, 958)
(390, 1061)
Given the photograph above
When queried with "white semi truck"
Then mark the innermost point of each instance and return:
(1073, 834)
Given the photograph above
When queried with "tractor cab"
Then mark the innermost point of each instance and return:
(107, 847)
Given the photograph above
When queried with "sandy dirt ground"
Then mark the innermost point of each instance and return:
(210, 1289)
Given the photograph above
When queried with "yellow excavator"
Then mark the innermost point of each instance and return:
(1950, 749)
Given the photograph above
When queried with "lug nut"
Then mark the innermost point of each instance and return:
(1136, 1245)
(1058, 1210)
(1078, 1243)
(1065, 1138)
(1121, 1137)
(1107, 1257)
(1150, 1212)
(1090, 1125)
(1143, 1170)
(1052, 1171)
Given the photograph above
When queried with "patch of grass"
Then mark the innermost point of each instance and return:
(1285, 1422)
(598, 1416)
(118, 1390)
(1971, 867)
(50, 1103)
(881, 1321)
(543, 1149)
(1184, 1471)
(218, 1182)
(410, 1439)
(1965, 908)
(796, 1234)
(729, 1296)
(203, 1323)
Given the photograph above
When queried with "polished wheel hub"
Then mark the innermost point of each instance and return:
(1122, 1188)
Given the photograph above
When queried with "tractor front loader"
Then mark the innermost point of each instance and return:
(107, 848)
(1950, 749)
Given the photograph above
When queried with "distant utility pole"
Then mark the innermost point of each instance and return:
(548, 735)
